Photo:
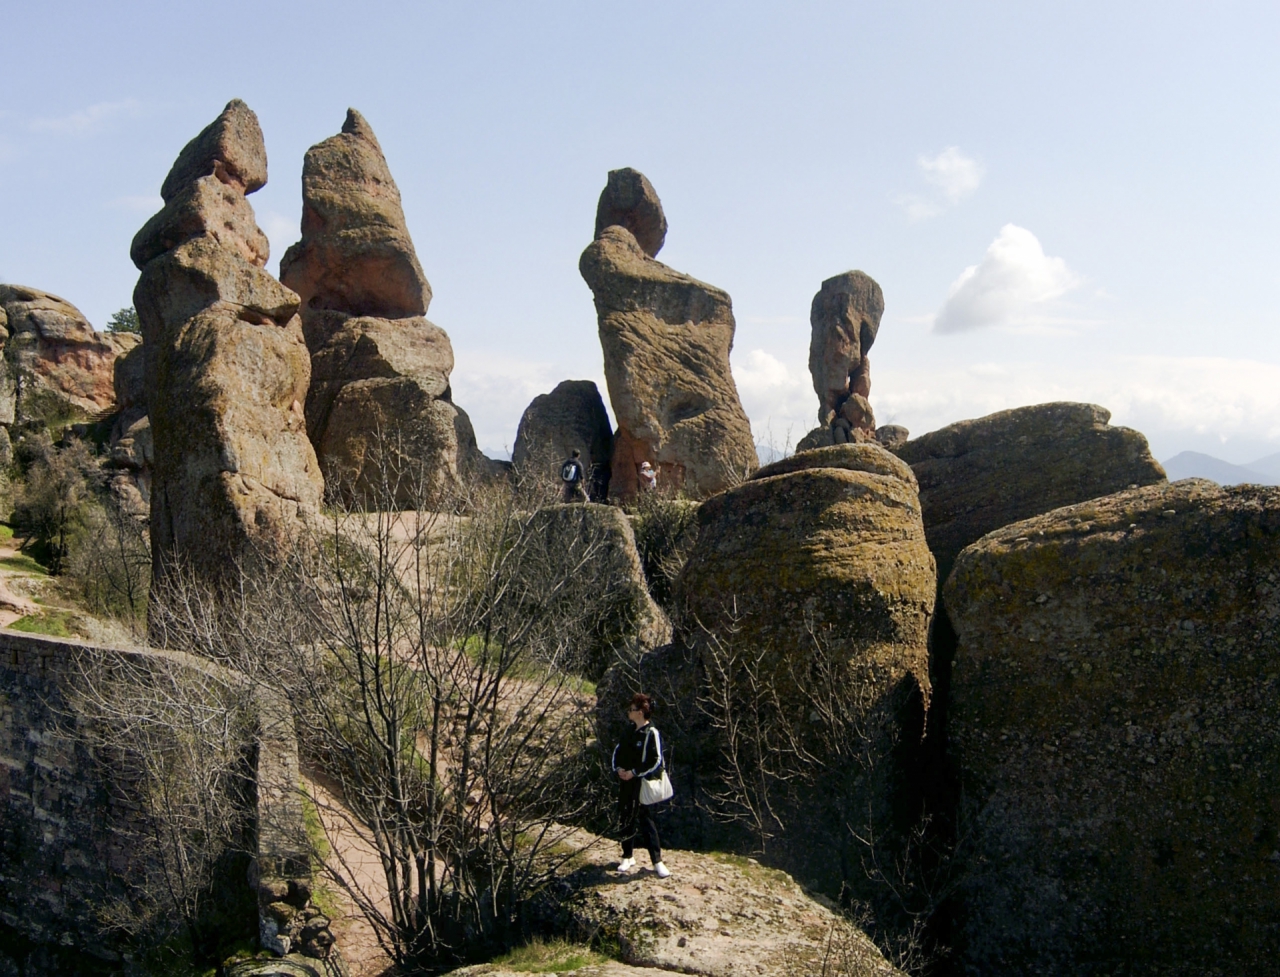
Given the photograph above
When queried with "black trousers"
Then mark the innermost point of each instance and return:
(637, 822)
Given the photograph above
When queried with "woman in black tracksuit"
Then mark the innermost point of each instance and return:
(639, 755)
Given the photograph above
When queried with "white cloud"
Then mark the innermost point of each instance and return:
(1175, 401)
(86, 121)
(955, 175)
(952, 172)
(918, 208)
(1012, 286)
(778, 397)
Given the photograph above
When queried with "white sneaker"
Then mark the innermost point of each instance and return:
(662, 870)
(626, 865)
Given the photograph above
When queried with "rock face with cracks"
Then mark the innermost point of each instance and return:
(379, 411)
(227, 369)
(976, 476)
(1115, 723)
(666, 340)
(571, 417)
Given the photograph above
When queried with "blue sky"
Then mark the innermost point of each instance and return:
(1061, 201)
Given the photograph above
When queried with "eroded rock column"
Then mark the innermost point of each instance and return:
(666, 339)
(234, 475)
(380, 412)
(845, 317)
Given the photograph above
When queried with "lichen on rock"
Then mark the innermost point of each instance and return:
(1114, 720)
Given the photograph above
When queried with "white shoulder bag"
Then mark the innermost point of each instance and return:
(658, 789)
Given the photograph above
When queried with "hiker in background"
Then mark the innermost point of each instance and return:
(648, 477)
(636, 759)
(571, 476)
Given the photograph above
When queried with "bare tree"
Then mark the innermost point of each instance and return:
(428, 659)
(808, 742)
(171, 733)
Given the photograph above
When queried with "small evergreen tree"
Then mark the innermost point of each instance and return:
(124, 320)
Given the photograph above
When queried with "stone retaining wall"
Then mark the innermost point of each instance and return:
(65, 824)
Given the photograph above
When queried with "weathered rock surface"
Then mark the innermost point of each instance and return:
(814, 573)
(379, 401)
(609, 969)
(717, 915)
(892, 435)
(227, 370)
(832, 537)
(666, 339)
(571, 417)
(63, 367)
(845, 317)
(594, 548)
(979, 475)
(1116, 724)
(355, 255)
(630, 201)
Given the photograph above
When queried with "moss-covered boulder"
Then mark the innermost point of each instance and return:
(792, 698)
(828, 542)
(981, 474)
(1116, 724)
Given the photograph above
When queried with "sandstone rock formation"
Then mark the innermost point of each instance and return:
(814, 576)
(379, 407)
(832, 537)
(845, 317)
(892, 435)
(979, 475)
(630, 201)
(1116, 725)
(571, 417)
(666, 340)
(718, 915)
(227, 368)
(56, 367)
(594, 548)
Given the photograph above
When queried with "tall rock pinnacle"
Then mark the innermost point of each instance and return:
(227, 369)
(380, 370)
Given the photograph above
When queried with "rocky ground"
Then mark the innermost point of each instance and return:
(717, 915)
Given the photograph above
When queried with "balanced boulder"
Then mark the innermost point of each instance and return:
(1115, 721)
(380, 411)
(666, 340)
(979, 475)
(570, 418)
(630, 201)
(233, 475)
(844, 317)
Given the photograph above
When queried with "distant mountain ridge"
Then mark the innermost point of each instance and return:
(1193, 464)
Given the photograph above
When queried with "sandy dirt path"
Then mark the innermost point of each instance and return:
(358, 859)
